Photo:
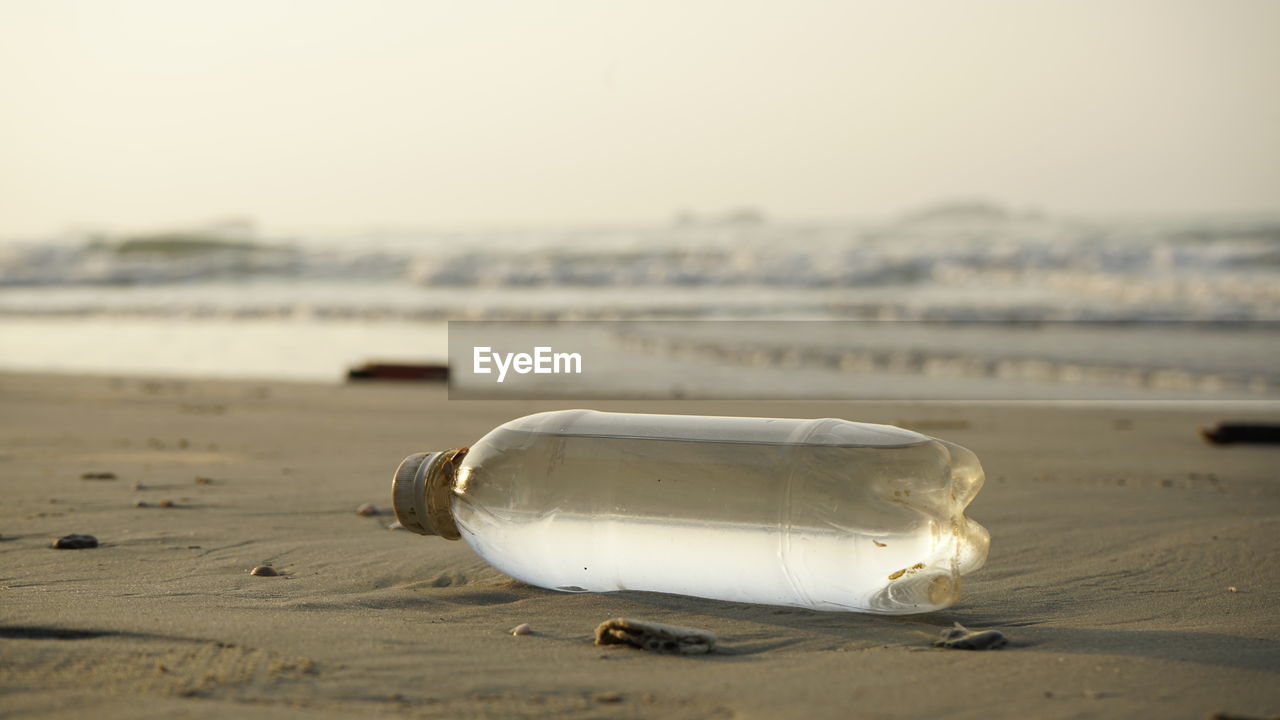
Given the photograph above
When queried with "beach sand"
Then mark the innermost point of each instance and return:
(1133, 568)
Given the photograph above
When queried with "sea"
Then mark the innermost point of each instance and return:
(955, 302)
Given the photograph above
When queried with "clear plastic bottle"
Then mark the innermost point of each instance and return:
(824, 514)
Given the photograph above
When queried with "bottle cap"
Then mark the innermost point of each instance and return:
(422, 491)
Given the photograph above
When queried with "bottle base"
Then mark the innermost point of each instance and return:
(919, 593)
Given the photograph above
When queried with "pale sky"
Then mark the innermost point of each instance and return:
(361, 113)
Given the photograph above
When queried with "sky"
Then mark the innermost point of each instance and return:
(327, 114)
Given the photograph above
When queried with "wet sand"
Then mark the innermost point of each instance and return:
(1132, 569)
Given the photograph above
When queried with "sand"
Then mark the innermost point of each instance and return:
(1133, 569)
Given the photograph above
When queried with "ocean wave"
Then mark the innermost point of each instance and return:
(953, 263)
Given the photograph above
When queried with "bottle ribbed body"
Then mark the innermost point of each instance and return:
(824, 514)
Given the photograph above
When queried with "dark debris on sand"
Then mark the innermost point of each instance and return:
(960, 637)
(1228, 433)
(657, 637)
(75, 541)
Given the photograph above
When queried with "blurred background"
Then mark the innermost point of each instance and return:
(1084, 195)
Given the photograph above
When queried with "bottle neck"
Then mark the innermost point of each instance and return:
(422, 493)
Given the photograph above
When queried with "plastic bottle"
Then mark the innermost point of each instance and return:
(823, 514)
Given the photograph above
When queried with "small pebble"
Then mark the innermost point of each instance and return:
(609, 697)
(655, 637)
(264, 571)
(962, 638)
(522, 629)
(1233, 588)
(139, 485)
(167, 504)
(368, 510)
(202, 480)
(396, 526)
(98, 476)
(75, 542)
(141, 503)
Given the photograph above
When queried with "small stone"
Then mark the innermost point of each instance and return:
(368, 510)
(139, 485)
(264, 571)
(98, 476)
(1233, 588)
(522, 629)
(609, 697)
(167, 504)
(202, 480)
(396, 526)
(657, 637)
(75, 542)
(141, 503)
(960, 637)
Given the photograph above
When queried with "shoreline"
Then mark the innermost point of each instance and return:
(1264, 406)
(880, 361)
